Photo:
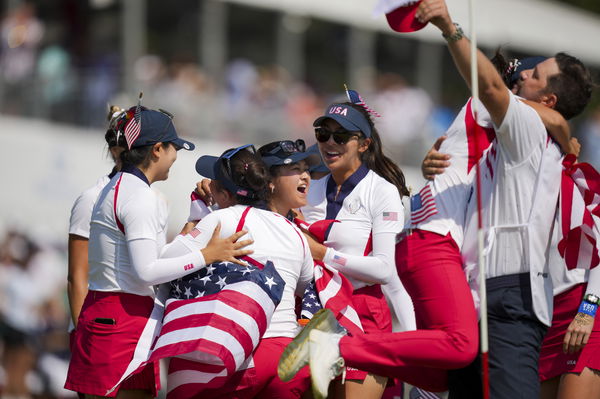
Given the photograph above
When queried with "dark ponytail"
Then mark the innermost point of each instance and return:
(503, 66)
(248, 171)
(375, 160)
(114, 134)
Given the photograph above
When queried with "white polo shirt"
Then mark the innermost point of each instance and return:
(520, 182)
(275, 239)
(366, 205)
(81, 212)
(441, 205)
(126, 209)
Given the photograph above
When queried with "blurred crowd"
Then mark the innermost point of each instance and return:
(39, 77)
(33, 317)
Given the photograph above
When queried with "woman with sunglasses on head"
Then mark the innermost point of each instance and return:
(289, 166)
(127, 234)
(363, 192)
(240, 184)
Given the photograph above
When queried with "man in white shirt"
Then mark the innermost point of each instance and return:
(519, 179)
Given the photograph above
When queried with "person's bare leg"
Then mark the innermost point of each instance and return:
(371, 388)
(583, 385)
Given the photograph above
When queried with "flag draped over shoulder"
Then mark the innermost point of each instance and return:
(213, 320)
(330, 288)
(579, 207)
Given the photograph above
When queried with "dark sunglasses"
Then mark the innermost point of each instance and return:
(340, 137)
(286, 146)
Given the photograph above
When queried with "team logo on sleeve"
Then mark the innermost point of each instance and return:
(390, 216)
(195, 232)
(340, 260)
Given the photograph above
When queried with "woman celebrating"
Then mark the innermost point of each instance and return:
(362, 192)
(240, 185)
(289, 165)
(127, 233)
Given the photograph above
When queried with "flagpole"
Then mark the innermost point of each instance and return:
(483, 325)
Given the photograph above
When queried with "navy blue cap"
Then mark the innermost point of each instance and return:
(157, 127)
(206, 165)
(350, 118)
(523, 65)
(319, 167)
(286, 152)
(212, 167)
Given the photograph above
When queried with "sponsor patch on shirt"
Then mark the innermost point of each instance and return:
(353, 205)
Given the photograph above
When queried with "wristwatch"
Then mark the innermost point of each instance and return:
(457, 35)
(591, 298)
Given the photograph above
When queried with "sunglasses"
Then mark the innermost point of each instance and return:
(227, 155)
(340, 137)
(286, 146)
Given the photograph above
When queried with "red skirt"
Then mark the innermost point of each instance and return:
(375, 317)
(553, 362)
(107, 333)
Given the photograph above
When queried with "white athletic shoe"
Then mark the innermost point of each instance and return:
(325, 360)
(296, 354)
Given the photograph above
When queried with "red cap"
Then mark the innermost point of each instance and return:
(403, 19)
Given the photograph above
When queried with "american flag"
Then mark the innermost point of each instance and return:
(133, 127)
(329, 288)
(355, 98)
(213, 320)
(422, 206)
(391, 216)
(579, 214)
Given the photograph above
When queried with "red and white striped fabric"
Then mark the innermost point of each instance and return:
(422, 206)
(334, 290)
(579, 214)
(212, 321)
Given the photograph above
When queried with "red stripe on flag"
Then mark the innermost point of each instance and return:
(579, 197)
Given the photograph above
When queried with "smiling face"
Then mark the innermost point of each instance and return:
(165, 157)
(532, 83)
(290, 187)
(342, 159)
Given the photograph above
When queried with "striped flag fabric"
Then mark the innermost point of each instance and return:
(330, 289)
(134, 126)
(355, 98)
(213, 320)
(579, 210)
(422, 206)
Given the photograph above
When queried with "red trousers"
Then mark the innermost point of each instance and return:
(430, 268)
